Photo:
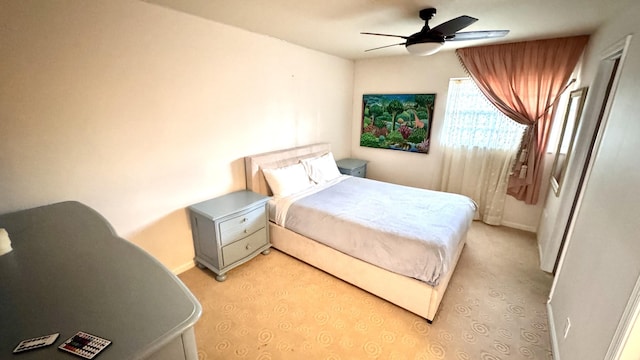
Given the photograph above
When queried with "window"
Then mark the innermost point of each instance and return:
(472, 121)
(479, 144)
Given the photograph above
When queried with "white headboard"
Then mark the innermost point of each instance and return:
(275, 159)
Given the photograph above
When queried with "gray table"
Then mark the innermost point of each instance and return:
(68, 272)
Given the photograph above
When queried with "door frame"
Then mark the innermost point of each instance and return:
(602, 95)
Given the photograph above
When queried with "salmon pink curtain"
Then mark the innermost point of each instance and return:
(524, 80)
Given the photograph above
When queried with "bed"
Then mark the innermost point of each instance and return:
(417, 287)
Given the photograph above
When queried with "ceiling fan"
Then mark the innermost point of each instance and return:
(429, 40)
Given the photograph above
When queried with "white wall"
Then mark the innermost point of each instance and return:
(139, 111)
(600, 265)
(409, 74)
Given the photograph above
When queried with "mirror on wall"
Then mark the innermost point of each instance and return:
(567, 135)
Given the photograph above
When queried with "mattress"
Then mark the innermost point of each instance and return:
(410, 231)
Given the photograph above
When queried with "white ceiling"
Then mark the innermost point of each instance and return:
(334, 26)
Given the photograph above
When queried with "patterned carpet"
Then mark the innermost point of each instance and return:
(276, 307)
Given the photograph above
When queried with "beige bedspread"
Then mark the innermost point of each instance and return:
(409, 231)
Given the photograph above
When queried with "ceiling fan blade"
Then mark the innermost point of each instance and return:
(452, 26)
(398, 36)
(386, 46)
(477, 35)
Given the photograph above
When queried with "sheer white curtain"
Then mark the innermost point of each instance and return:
(479, 147)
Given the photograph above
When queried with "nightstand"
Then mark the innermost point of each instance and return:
(229, 230)
(353, 167)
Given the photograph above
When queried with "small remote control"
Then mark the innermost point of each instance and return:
(84, 345)
(35, 343)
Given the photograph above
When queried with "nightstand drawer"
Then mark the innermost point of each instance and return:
(242, 225)
(243, 248)
(359, 171)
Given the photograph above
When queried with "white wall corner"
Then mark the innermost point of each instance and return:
(515, 225)
(182, 268)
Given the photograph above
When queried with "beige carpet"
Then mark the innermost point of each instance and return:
(276, 307)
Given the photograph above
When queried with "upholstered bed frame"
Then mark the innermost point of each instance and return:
(408, 293)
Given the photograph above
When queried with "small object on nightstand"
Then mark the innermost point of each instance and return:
(35, 343)
(229, 230)
(353, 167)
(84, 345)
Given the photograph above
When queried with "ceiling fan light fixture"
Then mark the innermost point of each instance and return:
(425, 48)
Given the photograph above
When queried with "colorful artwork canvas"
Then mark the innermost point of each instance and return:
(397, 121)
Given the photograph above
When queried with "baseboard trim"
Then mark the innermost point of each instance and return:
(182, 268)
(552, 333)
(519, 226)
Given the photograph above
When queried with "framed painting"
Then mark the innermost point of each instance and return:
(397, 121)
(567, 136)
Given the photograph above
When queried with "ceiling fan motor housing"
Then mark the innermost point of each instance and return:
(423, 37)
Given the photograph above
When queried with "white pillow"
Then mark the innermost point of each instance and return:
(287, 180)
(321, 169)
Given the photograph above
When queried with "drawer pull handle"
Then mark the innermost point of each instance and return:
(245, 220)
(245, 231)
(248, 247)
